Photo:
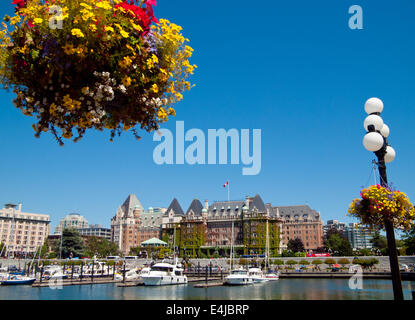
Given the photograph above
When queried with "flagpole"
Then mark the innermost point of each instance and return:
(229, 187)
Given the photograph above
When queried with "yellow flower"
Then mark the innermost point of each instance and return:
(124, 34)
(107, 28)
(126, 81)
(125, 63)
(155, 88)
(104, 5)
(93, 27)
(77, 32)
(68, 48)
(37, 20)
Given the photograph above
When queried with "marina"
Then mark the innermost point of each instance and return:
(284, 289)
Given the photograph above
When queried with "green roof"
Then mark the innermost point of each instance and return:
(153, 242)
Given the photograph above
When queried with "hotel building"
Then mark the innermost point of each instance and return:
(301, 222)
(132, 225)
(22, 232)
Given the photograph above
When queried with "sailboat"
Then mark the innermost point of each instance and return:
(238, 276)
(269, 275)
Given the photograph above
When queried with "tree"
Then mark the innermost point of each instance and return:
(72, 244)
(317, 262)
(100, 247)
(409, 241)
(295, 245)
(339, 245)
(378, 241)
(343, 261)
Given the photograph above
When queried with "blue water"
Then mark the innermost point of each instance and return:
(283, 289)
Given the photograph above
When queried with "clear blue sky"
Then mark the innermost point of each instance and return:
(293, 69)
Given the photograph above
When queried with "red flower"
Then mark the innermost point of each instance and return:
(143, 16)
(20, 3)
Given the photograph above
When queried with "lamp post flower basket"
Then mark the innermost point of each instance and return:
(76, 65)
(378, 204)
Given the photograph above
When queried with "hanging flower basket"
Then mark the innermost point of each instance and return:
(378, 203)
(93, 64)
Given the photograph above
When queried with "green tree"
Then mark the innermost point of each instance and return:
(72, 244)
(339, 245)
(295, 245)
(317, 262)
(304, 262)
(288, 253)
(100, 247)
(409, 241)
(378, 241)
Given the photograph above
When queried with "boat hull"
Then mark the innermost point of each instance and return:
(238, 281)
(163, 280)
(17, 282)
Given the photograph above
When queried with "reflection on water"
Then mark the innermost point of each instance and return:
(283, 289)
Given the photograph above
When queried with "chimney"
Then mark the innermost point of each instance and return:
(206, 204)
(20, 207)
(248, 201)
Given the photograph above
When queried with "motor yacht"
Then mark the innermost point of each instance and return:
(163, 273)
(239, 277)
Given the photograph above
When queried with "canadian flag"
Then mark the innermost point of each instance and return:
(227, 183)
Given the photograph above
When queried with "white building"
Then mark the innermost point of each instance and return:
(22, 232)
(72, 220)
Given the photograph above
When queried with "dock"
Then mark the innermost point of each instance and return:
(46, 283)
(208, 285)
(131, 283)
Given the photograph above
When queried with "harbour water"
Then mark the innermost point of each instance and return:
(283, 289)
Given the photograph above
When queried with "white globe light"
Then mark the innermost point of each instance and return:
(390, 154)
(373, 141)
(373, 105)
(373, 120)
(384, 131)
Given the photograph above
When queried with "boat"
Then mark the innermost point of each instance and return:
(239, 277)
(17, 280)
(163, 273)
(53, 272)
(270, 276)
(257, 275)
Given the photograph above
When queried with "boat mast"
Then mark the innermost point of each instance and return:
(231, 253)
(267, 249)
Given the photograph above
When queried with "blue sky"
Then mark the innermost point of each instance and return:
(293, 69)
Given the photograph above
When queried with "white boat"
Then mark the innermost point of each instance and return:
(272, 276)
(162, 274)
(16, 280)
(257, 275)
(239, 277)
(54, 272)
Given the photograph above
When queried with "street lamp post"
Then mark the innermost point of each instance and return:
(376, 141)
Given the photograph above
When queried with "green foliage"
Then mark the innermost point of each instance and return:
(330, 261)
(338, 244)
(343, 261)
(100, 247)
(317, 262)
(277, 262)
(71, 243)
(409, 241)
(52, 255)
(304, 262)
(288, 253)
(365, 252)
(291, 262)
(300, 254)
(378, 241)
(366, 263)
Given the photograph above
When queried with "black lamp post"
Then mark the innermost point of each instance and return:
(376, 141)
